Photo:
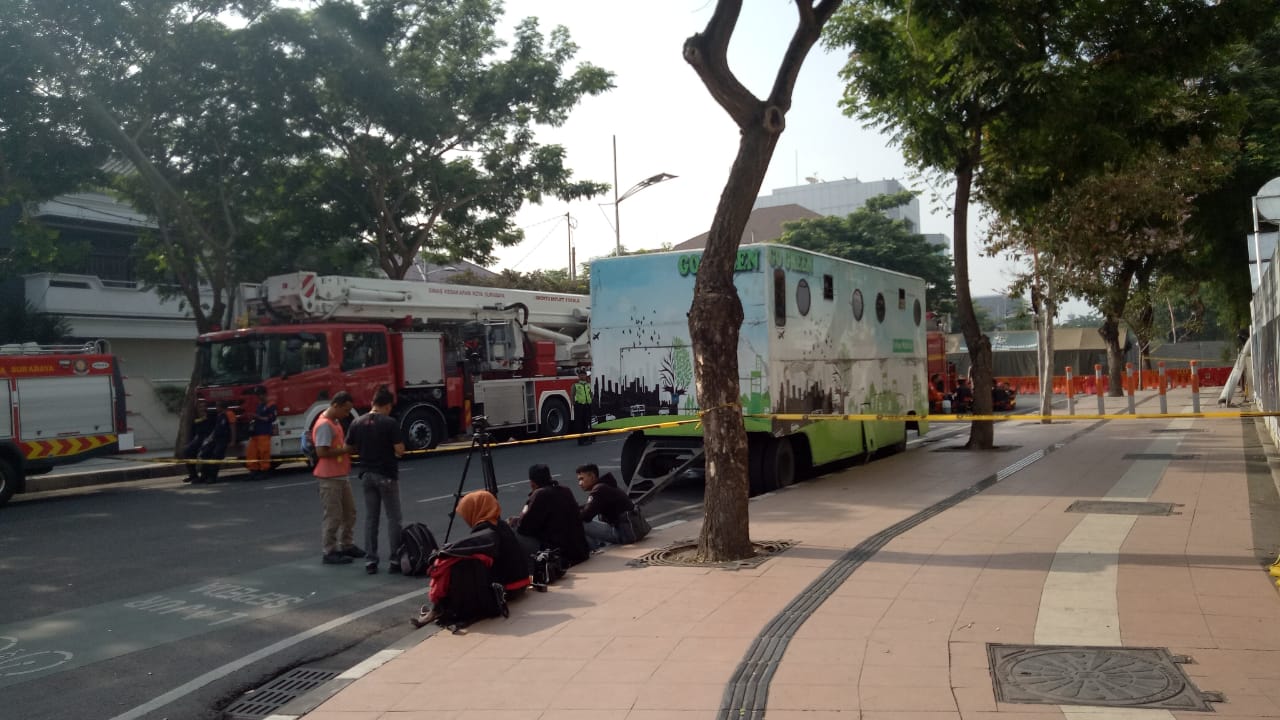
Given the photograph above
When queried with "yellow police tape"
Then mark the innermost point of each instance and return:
(784, 417)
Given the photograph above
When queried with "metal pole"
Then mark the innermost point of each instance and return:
(1129, 383)
(1071, 393)
(1164, 400)
(617, 222)
(1195, 388)
(568, 223)
(1097, 388)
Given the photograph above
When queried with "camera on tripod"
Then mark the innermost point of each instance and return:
(480, 428)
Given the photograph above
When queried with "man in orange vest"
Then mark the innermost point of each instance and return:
(333, 466)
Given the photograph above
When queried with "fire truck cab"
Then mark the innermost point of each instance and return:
(64, 404)
(448, 352)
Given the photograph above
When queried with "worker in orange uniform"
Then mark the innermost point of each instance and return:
(257, 453)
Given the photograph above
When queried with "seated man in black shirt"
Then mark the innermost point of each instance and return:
(605, 500)
(550, 519)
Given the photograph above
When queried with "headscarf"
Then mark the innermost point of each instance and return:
(479, 506)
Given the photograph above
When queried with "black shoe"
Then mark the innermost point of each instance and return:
(393, 568)
(335, 558)
(352, 551)
(371, 568)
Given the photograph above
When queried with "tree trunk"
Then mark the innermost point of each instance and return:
(714, 323)
(1048, 311)
(1112, 312)
(981, 433)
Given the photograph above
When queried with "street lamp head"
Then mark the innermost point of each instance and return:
(1268, 200)
(652, 180)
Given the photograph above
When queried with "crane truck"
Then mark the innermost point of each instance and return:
(447, 352)
(64, 403)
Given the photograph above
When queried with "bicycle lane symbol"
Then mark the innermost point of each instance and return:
(16, 660)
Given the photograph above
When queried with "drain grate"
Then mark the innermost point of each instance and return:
(1121, 507)
(260, 703)
(681, 554)
(1160, 456)
(1101, 676)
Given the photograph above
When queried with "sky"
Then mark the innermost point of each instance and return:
(665, 121)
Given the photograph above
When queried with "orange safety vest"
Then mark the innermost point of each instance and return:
(331, 467)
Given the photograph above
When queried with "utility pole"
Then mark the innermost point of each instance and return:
(568, 223)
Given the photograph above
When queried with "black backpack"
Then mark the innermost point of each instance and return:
(417, 546)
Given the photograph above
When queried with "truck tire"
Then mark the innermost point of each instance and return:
(632, 449)
(755, 464)
(555, 418)
(423, 428)
(8, 481)
(779, 464)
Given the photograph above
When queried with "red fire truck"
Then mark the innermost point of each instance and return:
(65, 403)
(448, 352)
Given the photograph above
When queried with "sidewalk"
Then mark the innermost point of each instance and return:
(864, 619)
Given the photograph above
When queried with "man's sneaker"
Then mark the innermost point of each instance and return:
(393, 568)
(352, 551)
(335, 558)
(371, 568)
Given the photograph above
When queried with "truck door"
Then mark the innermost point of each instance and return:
(365, 365)
(6, 411)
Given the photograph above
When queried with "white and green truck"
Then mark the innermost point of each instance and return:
(820, 336)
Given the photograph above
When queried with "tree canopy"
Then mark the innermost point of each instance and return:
(868, 236)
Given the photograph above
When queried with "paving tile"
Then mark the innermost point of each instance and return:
(817, 715)
(907, 715)
(784, 696)
(901, 677)
(414, 715)
(680, 696)
(976, 698)
(492, 714)
(669, 714)
(914, 654)
(638, 648)
(592, 714)
(928, 698)
(323, 714)
(601, 696)
(569, 647)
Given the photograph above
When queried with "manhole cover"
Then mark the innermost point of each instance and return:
(1119, 507)
(1080, 675)
(1160, 456)
(260, 703)
(682, 553)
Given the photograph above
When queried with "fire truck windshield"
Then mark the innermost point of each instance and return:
(244, 360)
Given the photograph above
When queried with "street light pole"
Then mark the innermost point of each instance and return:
(617, 223)
(617, 199)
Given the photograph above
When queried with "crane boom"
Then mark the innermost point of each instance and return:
(309, 296)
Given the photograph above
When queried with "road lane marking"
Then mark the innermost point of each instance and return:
(220, 672)
(126, 625)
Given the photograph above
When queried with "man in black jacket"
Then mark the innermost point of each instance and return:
(605, 500)
(550, 519)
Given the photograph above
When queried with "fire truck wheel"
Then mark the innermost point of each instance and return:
(423, 428)
(8, 481)
(555, 418)
(779, 464)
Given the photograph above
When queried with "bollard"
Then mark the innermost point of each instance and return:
(1129, 383)
(1071, 393)
(1162, 380)
(1097, 388)
(1195, 389)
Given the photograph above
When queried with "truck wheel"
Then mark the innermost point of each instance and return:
(423, 428)
(632, 449)
(8, 481)
(555, 418)
(755, 464)
(779, 464)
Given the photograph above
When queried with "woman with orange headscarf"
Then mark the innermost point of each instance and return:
(493, 543)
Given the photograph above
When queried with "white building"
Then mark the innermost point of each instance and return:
(842, 197)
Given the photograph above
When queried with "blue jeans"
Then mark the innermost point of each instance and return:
(380, 492)
(600, 533)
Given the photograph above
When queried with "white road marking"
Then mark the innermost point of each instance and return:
(446, 497)
(221, 672)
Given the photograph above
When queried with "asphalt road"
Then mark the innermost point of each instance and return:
(157, 599)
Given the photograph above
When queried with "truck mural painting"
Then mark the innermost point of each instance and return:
(820, 335)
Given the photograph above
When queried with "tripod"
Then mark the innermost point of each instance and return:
(479, 441)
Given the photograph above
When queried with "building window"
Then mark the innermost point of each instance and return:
(857, 305)
(828, 288)
(880, 307)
